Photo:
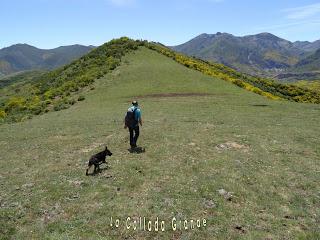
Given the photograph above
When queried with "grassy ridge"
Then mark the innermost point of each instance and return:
(265, 87)
(59, 89)
(223, 137)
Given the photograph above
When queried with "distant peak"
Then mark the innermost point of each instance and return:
(206, 35)
(266, 34)
(21, 45)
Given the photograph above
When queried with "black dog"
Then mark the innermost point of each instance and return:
(97, 160)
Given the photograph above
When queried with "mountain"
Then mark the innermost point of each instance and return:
(21, 57)
(310, 63)
(306, 46)
(307, 68)
(261, 54)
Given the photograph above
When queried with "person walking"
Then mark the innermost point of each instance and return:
(132, 121)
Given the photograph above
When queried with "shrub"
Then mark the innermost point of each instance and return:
(71, 101)
(36, 109)
(81, 98)
(2, 113)
(60, 106)
(15, 103)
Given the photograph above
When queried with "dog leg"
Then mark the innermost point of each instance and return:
(87, 171)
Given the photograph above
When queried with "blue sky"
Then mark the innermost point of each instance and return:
(52, 23)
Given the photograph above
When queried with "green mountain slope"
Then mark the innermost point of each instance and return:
(254, 54)
(311, 63)
(201, 135)
(306, 69)
(26, 76)
(307, 46)
(21, 57)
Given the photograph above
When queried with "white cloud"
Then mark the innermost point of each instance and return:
(297, 30)
(288, 25)
(122, 3)
(302, 12)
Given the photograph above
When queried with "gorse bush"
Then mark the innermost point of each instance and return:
(2, 114)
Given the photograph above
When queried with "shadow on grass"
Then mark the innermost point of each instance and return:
(100, 170)
(137, 150)
(260, 105)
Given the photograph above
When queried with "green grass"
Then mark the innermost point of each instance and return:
(271, 165)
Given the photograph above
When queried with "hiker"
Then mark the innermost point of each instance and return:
(132, 121)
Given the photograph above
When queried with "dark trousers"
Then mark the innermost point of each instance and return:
(134, 134)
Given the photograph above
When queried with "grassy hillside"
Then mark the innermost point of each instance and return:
(21, 77)
(59, 89)
(201, 135)
(263, 86)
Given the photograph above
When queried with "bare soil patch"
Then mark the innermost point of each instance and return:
(232, 145)
(160, 95)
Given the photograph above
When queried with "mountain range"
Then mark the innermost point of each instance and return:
(21, 57)
(261, 54)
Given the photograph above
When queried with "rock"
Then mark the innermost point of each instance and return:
(221, 146)
(14, 204)
(227, 195)
(52, 213)
(72, 198)
(209, 204)
(232, 145)
(222, 192)
(76, 183)
(168, 201)
(28, 185)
